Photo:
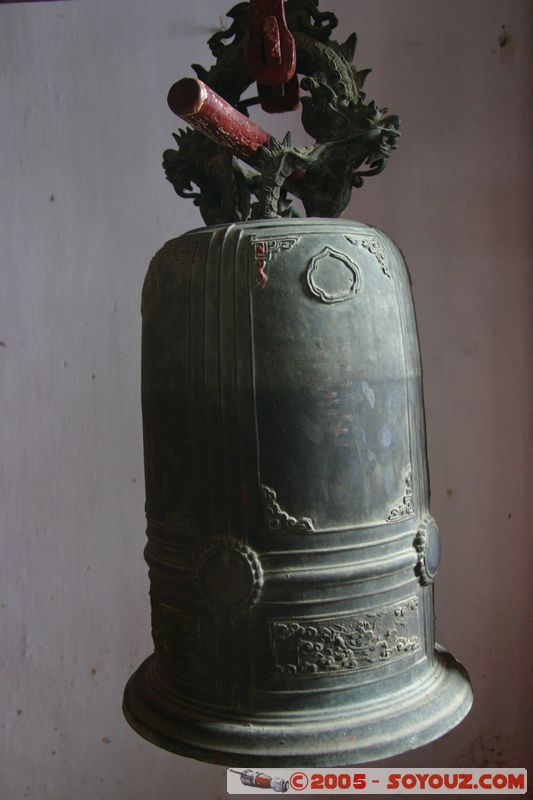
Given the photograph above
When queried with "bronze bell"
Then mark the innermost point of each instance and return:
(291, 548)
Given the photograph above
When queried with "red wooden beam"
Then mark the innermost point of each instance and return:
(205, 110)
(271, 56)
(271, 53)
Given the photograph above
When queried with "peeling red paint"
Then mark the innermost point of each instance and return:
(205, 110)
(260, 262)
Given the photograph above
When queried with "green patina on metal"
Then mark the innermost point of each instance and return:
(291, 545)
(353, 138)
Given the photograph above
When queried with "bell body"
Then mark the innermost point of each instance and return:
(290, 543)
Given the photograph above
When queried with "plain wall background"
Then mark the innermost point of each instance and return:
(84, 206)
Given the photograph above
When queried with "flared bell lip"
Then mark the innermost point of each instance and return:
(351, 735)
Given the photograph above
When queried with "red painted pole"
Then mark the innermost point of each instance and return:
(206, 111)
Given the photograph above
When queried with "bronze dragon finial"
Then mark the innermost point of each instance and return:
(353, 138)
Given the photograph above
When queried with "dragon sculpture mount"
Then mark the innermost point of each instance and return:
(353, 138)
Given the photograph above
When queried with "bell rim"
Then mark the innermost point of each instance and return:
(415, 717)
